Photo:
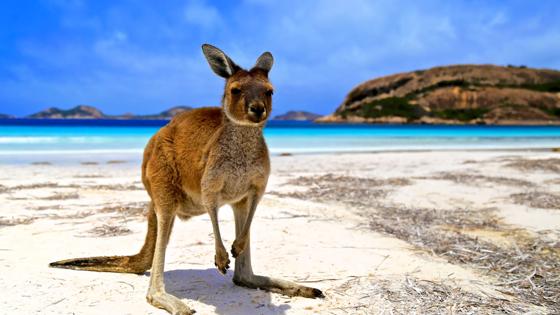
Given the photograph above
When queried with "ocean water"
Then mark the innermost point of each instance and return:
(32, 140)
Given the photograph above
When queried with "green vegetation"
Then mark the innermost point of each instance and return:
(401, 107)
(551, 111)
(441, 84)
(358, 96)
(391, 106)
(463, 114)
(520, 66)
(553, 86)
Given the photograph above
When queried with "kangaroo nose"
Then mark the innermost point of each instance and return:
(257, 110)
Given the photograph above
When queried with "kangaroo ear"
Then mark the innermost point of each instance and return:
(265, 62)
(220, 63)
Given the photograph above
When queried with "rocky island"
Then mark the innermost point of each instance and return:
(89, 112)
(78, 112)
(166, 114)
(297, 115)
(461, 94)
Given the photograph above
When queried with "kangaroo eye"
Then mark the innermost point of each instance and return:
(269, 92)
(235, 91)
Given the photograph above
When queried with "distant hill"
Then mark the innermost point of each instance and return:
(90, 112)
(81, 112)
(167, 114)
(297, 115)
(462, 94)
(4, 116)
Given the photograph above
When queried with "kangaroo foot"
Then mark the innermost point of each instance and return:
(278, 286)
(169, 303)
(221, 260)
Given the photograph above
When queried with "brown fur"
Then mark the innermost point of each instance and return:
(201, 160)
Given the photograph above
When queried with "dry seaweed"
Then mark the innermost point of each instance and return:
(15, 221)
(115, 187)
(545, 165)
(328, 179)
(74, 186)
(475, 179)
(537, 199)
(120, 213)
(417, 296)
(53, 207)
(346, 189)
(75, 215)
(554, 181)
(107, 230)
(61, 196)
(527, 270)
(41, 185)
(136, 209)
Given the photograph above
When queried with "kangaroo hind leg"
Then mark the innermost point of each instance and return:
(243, 274)
(157, 296)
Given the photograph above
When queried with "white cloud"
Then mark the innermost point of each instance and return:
(498, 20)
(202, 14)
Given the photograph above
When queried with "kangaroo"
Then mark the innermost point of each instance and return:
(204, 159)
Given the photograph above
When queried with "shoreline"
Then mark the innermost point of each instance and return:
(140, 122)
(132, 155)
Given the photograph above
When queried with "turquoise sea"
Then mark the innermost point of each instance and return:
(24, 140)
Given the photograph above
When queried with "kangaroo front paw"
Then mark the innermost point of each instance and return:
(237, 248)
(221, 260)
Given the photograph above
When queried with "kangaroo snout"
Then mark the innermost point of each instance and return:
(257, 111)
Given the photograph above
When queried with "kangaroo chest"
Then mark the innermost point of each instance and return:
(239, 174)
(240, 163)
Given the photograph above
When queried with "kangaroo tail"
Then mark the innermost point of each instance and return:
(123, 264)
(138, 263)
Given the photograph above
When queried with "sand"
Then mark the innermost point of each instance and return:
(379, 233)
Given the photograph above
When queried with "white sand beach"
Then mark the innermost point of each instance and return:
(379, 233)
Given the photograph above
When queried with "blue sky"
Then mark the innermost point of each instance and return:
(145, 56)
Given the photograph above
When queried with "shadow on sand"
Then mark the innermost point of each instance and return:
(210, 287)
